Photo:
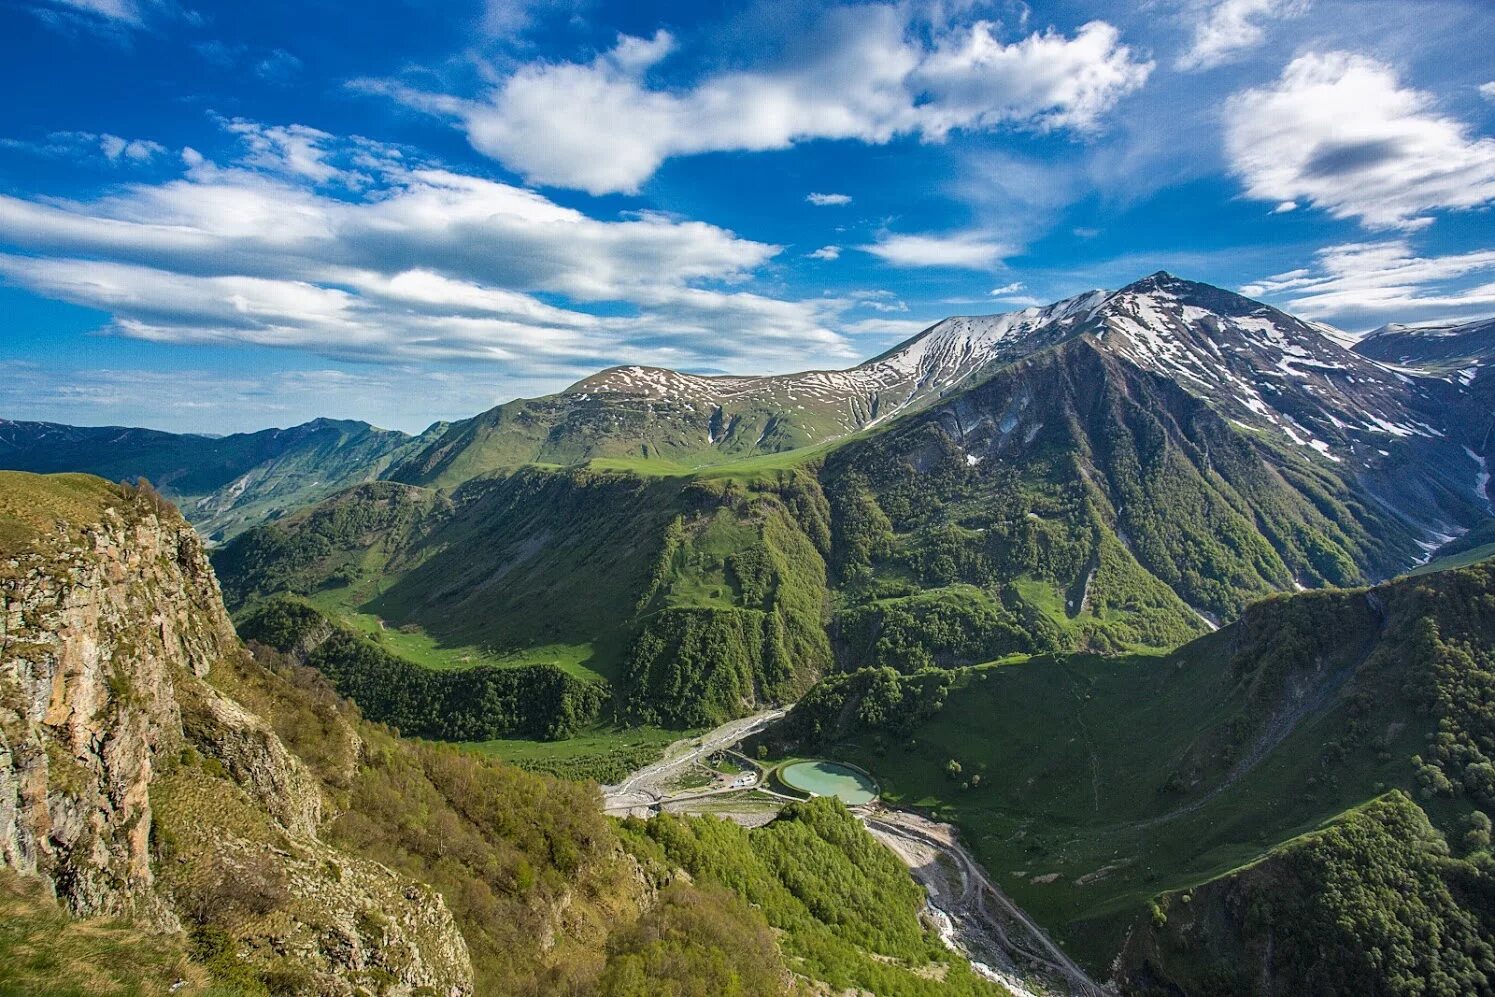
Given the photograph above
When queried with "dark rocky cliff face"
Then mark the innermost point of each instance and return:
(133, 788)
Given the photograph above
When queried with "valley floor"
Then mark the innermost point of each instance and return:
(972, 915)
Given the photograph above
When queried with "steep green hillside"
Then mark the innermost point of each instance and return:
(1090, 786)
(469, 704)
(223, 484)
(695, 597)
(684, 427)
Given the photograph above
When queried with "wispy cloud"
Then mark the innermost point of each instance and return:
(1365, 284)
(347, 249)
(825, 200)
(1224, 30)
(961, 250)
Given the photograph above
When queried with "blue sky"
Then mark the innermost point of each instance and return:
(220, 217)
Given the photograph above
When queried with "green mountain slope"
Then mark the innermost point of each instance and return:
(1091, 786)
(250, 833)
(222, 483)
(1071, 500)
(1373, 903)
(696, 598)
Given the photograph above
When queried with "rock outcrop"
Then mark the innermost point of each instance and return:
(133, 788)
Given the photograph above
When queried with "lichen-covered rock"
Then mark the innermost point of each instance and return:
(133, 788)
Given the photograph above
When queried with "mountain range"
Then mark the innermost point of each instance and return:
(1115, 586)
(1302, 386)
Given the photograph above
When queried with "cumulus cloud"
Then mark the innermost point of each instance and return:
(605, 126)
(1341, 132)
(959, 250)
(824, 200)
(1361, 285)
(410, 262)
(1226, 29)
(826, 253)
(1487, 90)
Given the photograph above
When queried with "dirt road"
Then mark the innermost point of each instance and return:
(983, 922)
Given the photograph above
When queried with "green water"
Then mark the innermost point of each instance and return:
(830, 779)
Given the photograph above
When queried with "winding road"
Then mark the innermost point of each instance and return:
(645, 788)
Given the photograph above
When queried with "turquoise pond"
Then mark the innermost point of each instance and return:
(830, 779)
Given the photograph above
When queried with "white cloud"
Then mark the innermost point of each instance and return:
(879, 301)
(1361, 285)
(1283, 207)
(885, 329)
(962, 250)
(291, 149)
(139, 150)
(824, 200)
(78, 144)
(1339, 131)
(1006, 289)
(826, 253)
(279, 66)
(1225, 29)
(1487, 90)
(414, 262)
(602, 126)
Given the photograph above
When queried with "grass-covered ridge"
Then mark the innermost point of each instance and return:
(1089, 785)
(35, 507)
(1372, 903)
(469, 704)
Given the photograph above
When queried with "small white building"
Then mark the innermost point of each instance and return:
(746, 780)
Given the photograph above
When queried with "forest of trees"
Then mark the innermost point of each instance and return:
(846, 907)
(472, 704)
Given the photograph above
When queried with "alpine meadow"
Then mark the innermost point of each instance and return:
(880, 497)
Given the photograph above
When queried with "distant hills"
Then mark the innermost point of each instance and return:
(223, 484)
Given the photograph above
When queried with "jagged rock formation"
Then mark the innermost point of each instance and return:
(133, 787)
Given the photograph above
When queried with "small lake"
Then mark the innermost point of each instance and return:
(830, 779)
